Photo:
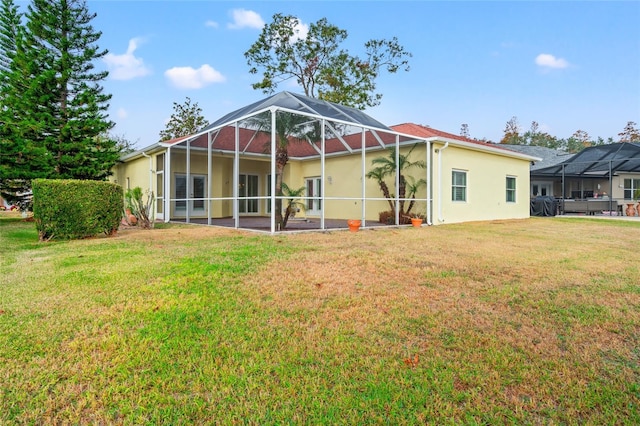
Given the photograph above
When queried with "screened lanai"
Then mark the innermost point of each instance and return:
(292, 162)
(610, 171)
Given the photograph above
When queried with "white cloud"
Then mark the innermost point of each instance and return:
(122, 113)
(549, 61)
(243, 18)
(300, 32)
(210, 23)
(126, 66)
(191, 78)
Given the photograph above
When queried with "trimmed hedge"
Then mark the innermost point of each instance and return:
(70, 209)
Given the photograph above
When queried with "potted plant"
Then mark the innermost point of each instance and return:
(354, 224)
(129, 216)
(636, 195)
(416, 219)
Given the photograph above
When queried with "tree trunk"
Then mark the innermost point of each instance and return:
(282, 157)
(385, 191)
(402, 192)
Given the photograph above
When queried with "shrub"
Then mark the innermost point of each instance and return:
(68, 209)
(141, 209)
(387, 217)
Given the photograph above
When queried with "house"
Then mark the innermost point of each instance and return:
(610, 171)
(229, 171)
(542, 185)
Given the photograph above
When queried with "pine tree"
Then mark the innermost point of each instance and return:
(65, 94)
(9, 26)
(21, 158)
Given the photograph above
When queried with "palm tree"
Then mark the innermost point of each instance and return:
(413, 186)
(292, 203)
(386, 166)
(289, 128)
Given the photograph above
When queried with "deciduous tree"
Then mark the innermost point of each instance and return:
(630, 133)
(512, 132)
(319, 65)
(186, 119)
(464, 130)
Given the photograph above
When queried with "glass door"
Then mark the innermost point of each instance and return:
(314, 192)
(196, 202)
(248, 188)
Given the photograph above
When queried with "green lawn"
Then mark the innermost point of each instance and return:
(509, 322)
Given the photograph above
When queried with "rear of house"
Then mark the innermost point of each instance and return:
(227, 171)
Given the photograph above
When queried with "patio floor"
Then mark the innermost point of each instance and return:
(262, 223)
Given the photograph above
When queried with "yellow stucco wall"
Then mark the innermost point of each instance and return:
(344, 180)
(486, 183)
(486, 186)
(131, 174)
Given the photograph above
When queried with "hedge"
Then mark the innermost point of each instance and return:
(70, 209)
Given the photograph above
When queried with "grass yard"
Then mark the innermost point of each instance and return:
(509, 322)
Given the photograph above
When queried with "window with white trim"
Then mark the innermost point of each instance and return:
(511, 189)
(630, 188)
(458, 185)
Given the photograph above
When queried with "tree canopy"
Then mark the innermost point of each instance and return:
(53, 107)
(630, 133)
(186, 119)
(319, 65)
(578, 141)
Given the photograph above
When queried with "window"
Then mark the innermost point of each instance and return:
(630, 188)
(511, 189)
(458, 185)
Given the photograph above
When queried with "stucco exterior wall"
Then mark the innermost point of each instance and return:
(344, 178)
(133, 173)
(486, 186)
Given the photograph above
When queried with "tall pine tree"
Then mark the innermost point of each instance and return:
(65, 90)
(22, 158)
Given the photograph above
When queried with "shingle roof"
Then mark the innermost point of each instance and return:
(550, 157)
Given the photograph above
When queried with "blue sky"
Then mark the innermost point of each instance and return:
(567, 65)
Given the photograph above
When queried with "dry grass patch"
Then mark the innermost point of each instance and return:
(508, 322)
(525, 315)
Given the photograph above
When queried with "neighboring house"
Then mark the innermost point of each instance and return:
(611, 171)
(542, 185)
(226, 172)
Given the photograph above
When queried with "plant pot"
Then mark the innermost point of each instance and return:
(130, 217)
(638, 209)
(630, 210)
(354, 224)
(416, 222)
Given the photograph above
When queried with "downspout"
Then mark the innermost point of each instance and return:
(439, 151)
(429, 183)
(153, 213)
(150, 169)
(166, 193)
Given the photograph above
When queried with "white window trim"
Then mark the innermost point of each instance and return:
(466, 185)
(515, 188)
